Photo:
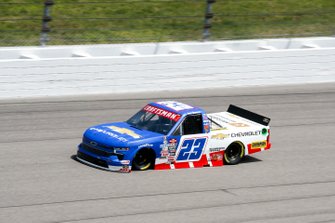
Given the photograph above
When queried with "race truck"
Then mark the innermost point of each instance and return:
(173, 135)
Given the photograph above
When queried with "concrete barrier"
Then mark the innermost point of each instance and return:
(97, 69)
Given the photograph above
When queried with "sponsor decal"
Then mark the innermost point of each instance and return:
(216, 149)
(173, 141)
(232, 115)
(219, 118)
(164, 153)
(121, 148)
(259, 144)
(168, 149)
(164, 142)
(206, 123)
(161, 112)
(206, 127)
(220, 136)
(165, 149)
(177, 106)
(238, 124)
(125, 169)
(124, 131)
(125, 162)
(172, 149)
(264, 131)
(145, 145)
(172, 145)
(216, 157)
(266, 120)
(215, 127)
(122, 139)
(171, 159)
(249, 133)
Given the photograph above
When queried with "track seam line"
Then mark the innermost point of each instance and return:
(226, 190)
(201, 207)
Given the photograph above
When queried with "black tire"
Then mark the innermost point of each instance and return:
(234, 153)
(144, 159)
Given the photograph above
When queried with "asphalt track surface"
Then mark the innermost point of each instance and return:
(292, 182)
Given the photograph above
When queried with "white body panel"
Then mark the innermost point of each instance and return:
(232, 128)
(209, 148)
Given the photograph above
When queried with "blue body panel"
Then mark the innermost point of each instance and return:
(117, 143)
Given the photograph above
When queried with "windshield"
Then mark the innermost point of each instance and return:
(146, 120)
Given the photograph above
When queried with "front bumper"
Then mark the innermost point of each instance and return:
(103, 160)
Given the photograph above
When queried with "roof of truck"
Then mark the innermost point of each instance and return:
(177, 107)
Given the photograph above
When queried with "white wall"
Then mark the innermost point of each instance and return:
(73, 70)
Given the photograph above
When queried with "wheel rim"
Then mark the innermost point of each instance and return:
(141, 160)
(233, 153)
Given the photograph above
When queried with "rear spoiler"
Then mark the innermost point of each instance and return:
(248, 115)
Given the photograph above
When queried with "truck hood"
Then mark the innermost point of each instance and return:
(117, 134)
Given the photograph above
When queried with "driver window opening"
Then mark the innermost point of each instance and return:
(191, 125)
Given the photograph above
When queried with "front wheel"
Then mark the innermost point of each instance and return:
(143, 160)
(234, 153)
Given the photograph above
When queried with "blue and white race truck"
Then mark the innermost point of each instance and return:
(172, 135)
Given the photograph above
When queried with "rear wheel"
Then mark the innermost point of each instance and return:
(234, 153)
(143, 160)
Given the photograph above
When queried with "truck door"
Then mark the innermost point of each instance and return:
(191, 138)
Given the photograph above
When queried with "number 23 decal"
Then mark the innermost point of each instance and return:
(191, 149)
